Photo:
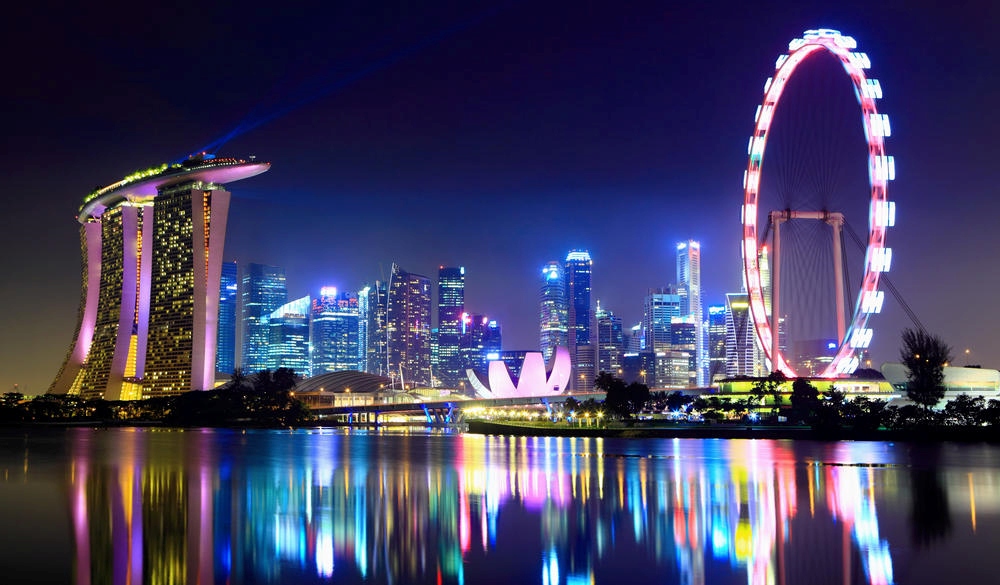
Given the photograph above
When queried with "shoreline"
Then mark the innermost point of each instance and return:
(916, 435)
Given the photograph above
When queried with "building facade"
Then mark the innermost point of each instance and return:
(225, 356)
(741, 341)
(553, 315)
(409, 328)
(264, 291)
(288, 329)
(579, 268)
(152, 248)
(716, 342)
(689, 288)
(336, 329)
(451, 305)
(610, 342)
(659, 308)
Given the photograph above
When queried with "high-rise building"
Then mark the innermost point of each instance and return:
(553, 309)
(225, 355)
(451, 305)
(377, 329)
(579, 266)
(335, 332)
(363, 316)
(683, 338)
(740, 338)
(264, 290)
(660, 306)
(578, 271)
(152, 248)
(689, 288)
(610, 342)
(288, 329)
(409, 328)
(480, 339)
(716, 342)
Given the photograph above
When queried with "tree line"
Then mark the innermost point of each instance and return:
(261, 399)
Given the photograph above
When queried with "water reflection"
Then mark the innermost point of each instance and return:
(226, 507)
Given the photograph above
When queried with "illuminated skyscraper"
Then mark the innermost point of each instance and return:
(451, 305)
(578, 271)
(740, 337)
(716, 342)
(480, 342)
(225, 358)
(363, 317)
(376, 326)
(288, 328)
(553, 309)
(660, 306)
(689, 288)
(409, 328)
(335, 332)
(264, 291)
(610, 342)
(152, 251)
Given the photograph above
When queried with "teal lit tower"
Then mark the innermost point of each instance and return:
(264, 290)
(225, 356)
(288, 332)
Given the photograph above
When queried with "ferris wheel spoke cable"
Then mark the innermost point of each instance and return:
(889, 285)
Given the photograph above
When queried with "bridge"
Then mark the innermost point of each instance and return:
(437, 411)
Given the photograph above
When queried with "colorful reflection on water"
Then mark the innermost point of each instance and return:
(329, 506)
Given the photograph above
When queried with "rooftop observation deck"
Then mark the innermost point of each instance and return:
(145, 184)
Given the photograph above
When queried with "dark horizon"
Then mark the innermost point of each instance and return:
(495, 137)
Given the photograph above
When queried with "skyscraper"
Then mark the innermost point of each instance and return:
(660, 306)
(377, 329)
(409, 327)
(740, 337)
(578, 271)
(553, 309)
(335, 332)
(716, 342)
(689, 287)
(152, 248)
(363, 317)
(288, 329)
(610, 342)
(264, 291)
(481, 338)
(225, 357)
(451, 305)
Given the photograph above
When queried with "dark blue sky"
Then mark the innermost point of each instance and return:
(492, 135)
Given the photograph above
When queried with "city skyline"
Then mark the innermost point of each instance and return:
(444, 135)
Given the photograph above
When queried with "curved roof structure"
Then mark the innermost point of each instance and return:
(147, 183)
(341, 381)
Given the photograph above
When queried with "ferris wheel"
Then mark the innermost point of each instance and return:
(764, 281)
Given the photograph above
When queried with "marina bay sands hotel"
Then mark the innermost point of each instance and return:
(152, 257)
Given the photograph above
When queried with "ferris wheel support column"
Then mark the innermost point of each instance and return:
(777, 218)
(836, 221)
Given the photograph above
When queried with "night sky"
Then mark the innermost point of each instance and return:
(497, 136)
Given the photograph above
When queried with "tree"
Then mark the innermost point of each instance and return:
(622, 400)
(924, 356)
(769, 386)
(965, 411)
(804, 399)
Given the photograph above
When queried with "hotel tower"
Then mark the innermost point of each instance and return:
(152, 260)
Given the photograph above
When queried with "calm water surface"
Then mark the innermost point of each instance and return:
(127, 506)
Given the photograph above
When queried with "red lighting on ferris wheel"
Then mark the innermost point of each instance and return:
(856, 336)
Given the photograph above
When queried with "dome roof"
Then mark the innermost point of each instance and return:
(343, 380)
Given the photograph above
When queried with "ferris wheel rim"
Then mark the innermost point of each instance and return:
(881, 170)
